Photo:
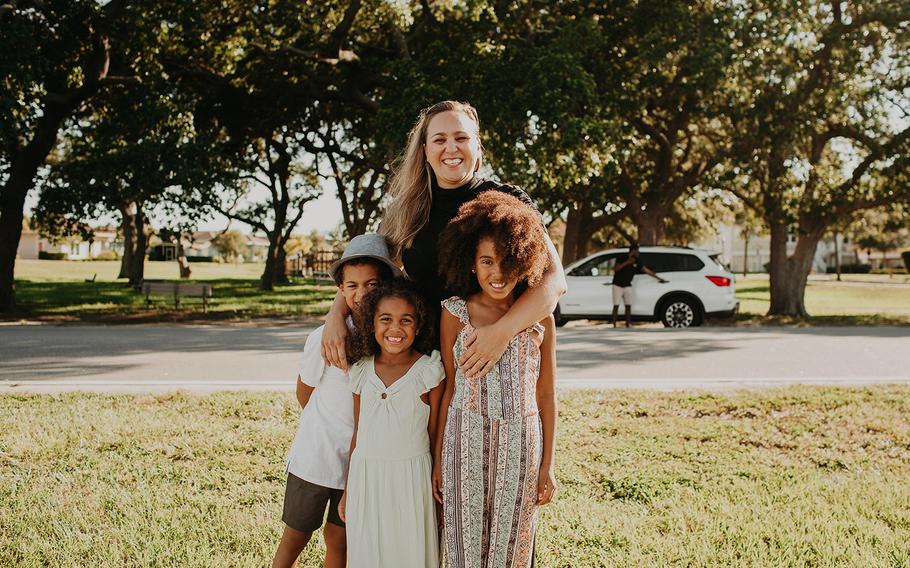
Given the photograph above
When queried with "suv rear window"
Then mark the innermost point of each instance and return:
(671, 262)
(719, 262)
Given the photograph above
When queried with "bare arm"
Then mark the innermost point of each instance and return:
(435, 398)
(651, 273)
(344, 498)
(486, 344)
(304, 391)
(449, 327)
(546, 403)
(335, 333)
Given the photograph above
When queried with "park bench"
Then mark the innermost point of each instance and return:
(176, 290)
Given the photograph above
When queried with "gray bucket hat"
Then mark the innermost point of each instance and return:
(367, 245)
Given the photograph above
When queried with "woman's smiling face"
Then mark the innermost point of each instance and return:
(452, 148)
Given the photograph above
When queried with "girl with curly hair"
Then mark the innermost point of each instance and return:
(388, 505)
(494, 450)
(439, 172)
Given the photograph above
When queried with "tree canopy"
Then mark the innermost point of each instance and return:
(623, 120)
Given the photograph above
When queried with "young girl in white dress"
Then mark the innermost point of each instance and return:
(388, 504)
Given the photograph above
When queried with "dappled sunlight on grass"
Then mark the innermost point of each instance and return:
(875, 300)
(231, 297)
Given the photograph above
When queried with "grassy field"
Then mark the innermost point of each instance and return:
(860, 299)
(57, 290)
(794, 477)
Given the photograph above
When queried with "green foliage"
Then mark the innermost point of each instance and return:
(851, 269)
(231, 244)
(882, 229)
(624, 120)
(47, 255)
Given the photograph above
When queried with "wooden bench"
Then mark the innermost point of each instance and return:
(177, 290)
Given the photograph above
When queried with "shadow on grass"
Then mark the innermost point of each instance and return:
(848, 320)
(116, 302)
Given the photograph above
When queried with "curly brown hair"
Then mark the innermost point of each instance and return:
(515, 229)
(362, 342)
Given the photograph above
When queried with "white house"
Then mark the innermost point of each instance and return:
(32, 244)
(735, 254)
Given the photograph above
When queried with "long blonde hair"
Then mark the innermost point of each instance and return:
(410, 187)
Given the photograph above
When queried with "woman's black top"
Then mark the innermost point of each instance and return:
(421, 260)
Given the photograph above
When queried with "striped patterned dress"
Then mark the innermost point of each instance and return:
(491, 456)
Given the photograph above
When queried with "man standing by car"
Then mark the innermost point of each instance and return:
(623, 273)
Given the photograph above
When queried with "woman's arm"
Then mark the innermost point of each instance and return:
(335, 333)
(546, 403)
(449, 327)
(344, 498)
(487, 343)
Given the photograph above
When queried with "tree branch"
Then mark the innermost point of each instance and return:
(340, 33)
(242, 218)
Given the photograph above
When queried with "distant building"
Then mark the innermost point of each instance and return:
(32, 244)
(732, 247)
(199, 245)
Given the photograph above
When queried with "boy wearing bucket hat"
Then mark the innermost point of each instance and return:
(318, 458)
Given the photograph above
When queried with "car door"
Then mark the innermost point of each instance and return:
(588, 287)
(646, 290)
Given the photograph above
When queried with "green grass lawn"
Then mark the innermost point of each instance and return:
(57, 290)
(861, 299)
(107, 270)
(794, 477)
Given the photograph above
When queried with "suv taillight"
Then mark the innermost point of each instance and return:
(719, 280)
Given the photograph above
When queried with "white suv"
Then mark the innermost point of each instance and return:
(698, 286)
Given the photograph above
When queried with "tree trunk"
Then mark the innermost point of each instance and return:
(650, 226)
(182, 262)
(837, 255)
(22, 170)
(129, 241)
(137, 268)
(267, 281)
(281, 266)
(789, 275)
(578, 233)
(746, 255)
(12, 202)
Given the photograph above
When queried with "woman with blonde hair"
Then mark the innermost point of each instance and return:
(436, 176)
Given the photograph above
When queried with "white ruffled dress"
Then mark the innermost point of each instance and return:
(390, 512)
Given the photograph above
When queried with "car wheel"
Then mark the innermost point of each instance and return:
(557, 317)
(680, 312)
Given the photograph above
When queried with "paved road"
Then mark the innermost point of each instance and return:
(37, 358)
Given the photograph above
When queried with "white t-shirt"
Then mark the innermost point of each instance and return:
(319, 452)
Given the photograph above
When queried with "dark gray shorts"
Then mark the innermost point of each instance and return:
(304, 505)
